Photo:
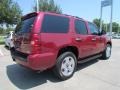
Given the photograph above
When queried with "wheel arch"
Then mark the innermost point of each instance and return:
(72, 49)
(110, 43)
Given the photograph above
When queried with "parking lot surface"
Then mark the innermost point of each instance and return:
(93, 75)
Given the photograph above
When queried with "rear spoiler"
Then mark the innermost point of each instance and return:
(29, 15)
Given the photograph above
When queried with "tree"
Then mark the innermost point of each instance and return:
(48, 5)
(115, 25)
(97, 22)
(10, 12)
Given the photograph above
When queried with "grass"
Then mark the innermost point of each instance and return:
(1, 39)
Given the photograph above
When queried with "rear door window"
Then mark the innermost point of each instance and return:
(55, 24)
(80, 27)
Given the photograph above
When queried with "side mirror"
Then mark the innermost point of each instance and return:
(103, 32)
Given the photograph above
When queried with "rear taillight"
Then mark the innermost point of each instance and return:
(35, 44)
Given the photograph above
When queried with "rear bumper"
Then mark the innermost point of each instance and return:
(36, 61)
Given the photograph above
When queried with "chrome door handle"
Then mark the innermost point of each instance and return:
(78, 39)
(93, 39)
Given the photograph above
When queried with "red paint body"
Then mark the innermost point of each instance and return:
(42, 48)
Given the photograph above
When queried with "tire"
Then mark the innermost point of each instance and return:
(107, 52)
(5, 45)
(65, 65)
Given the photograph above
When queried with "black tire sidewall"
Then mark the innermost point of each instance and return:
(59, 63)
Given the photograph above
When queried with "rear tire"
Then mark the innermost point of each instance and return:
(65, 65)
(107, 52)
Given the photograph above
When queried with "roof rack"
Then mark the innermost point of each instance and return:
(77, 17)
(66, 15)
(72, 16)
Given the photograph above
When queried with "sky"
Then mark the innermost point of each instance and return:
(87, 9)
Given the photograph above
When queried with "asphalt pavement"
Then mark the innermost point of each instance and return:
(93, 75)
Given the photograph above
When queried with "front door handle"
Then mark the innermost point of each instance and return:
(78, 39)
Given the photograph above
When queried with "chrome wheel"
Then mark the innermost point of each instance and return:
(68, 66)
(108, 51)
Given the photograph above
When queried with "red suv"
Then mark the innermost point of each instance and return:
(47, 40)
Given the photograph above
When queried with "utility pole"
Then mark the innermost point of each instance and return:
(111, 18)
(106, 28)
(101, 18)
(105, 3)
(37, 5)
(118, 30)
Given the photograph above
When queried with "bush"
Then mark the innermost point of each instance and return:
(1, 30)
(5, 31)
(1, 39)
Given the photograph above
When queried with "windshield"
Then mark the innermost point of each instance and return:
(25, 26)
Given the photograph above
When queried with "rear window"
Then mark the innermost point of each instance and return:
(25, 26)
(55, 24)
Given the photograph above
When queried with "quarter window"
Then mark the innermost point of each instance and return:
(55, 24)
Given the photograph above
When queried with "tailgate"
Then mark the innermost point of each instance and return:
(23, 32)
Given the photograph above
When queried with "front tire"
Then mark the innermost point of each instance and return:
(65, 65)
(107, 52)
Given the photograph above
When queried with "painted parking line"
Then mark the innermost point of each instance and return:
(1, 54)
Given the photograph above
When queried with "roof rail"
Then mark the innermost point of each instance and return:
(58, 13)
(65, 14)
(77, 17)
(72, 16)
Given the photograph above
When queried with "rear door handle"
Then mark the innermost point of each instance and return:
(93, 39)
(78, 39)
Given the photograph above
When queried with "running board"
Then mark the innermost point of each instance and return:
(89, 58)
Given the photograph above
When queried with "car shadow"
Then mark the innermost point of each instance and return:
(25, 79)
(86, 64)
(6, 47)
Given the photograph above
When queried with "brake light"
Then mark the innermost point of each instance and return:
(35, 43)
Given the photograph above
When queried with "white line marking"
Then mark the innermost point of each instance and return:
(1, 54)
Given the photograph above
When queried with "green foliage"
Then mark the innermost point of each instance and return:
(1, 39)
(1, 30)
(115, 28)
(48, 5)
(97, 22)
(9, 12)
